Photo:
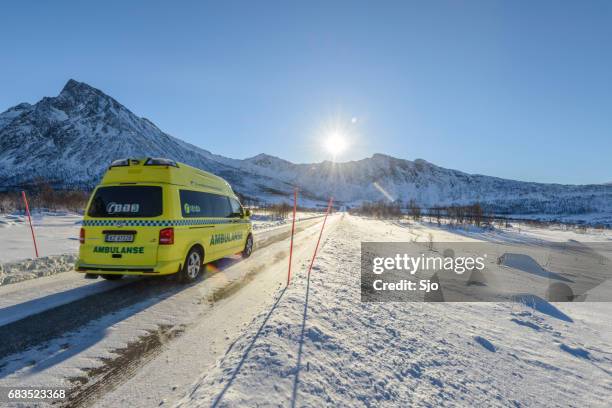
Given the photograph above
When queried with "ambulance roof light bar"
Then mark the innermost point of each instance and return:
(158, 161)
(120, 163)
(123, 162)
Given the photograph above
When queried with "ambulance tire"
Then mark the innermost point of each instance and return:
(112, 277)
(192, 268)
(248, 247)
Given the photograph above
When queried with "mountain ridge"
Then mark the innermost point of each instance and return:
(71, 138)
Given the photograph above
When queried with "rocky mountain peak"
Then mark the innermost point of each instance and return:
(81, 96)
(75, 88)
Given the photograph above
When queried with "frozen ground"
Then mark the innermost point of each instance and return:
(321, 346)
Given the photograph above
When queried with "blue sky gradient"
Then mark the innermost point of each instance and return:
(515, 89)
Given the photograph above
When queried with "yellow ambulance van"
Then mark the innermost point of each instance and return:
(155, 216)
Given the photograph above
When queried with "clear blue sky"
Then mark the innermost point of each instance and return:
(516, 89)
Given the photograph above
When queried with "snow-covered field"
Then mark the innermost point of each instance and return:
(238, 338)
(321, 346)
(56, 234)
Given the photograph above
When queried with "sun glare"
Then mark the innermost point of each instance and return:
(335, 144)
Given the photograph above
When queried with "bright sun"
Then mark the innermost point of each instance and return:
(335, 144)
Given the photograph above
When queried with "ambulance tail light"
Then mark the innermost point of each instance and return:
(166, 236)
(82, 236)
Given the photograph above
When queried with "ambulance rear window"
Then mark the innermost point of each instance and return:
(126, 202)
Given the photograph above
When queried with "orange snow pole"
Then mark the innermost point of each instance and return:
(292, 232)
(331, 200)
(27, 207)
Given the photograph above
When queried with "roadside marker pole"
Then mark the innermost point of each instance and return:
(331, 200)
(27, 207)
(292, 232)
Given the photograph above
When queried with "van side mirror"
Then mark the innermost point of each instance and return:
(247, 212)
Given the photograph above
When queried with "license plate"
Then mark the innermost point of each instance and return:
(119, 238)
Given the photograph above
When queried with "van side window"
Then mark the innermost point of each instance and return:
(236, 208)
(200, 204)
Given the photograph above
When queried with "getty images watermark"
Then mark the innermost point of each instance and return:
(486, 272)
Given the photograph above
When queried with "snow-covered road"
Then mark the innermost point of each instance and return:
(92, 337)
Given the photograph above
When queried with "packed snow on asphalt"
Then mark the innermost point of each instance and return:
(239, 337)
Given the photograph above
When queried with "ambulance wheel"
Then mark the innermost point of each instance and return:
(192, 266)
(112, 277)
(248, 247)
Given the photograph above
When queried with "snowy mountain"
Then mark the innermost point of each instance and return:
(386, 177)
(70, 139)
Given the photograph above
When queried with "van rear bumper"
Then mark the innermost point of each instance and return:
(161, 268)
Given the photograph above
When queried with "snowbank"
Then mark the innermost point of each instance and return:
(35, 268)
(264, 221)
